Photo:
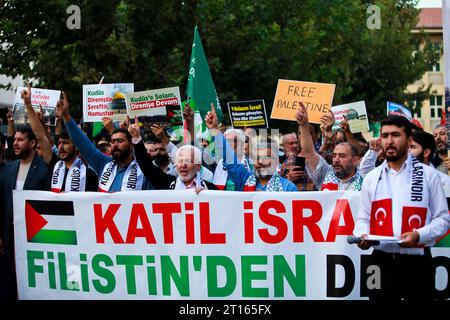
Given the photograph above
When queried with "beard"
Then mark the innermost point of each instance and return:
(68, 156)
(264, 173)
(23, 153)
(442, 147)
(343, 173)
(394, 157)
(190, 175)
(120, 155)
(420, 157)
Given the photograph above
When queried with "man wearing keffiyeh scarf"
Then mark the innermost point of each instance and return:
(265, 176)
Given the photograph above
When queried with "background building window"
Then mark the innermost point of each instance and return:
(437, 66)
(435, 107)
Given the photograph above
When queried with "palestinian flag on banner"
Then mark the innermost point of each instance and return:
(51, 222)
(444, 241)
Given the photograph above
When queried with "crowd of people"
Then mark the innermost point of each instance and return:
(129, 157)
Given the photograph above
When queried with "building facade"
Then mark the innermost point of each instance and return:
(430, 22)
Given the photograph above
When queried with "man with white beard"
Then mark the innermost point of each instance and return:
(188, 162)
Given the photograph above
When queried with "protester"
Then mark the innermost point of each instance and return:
(441, 161)
(264, 177)
(28, 172)
(236, 139)
(342, 175)
(290, 146)
(121, 173)
(69, 173)
(188, 166)
(292, 163)
(423, 147)
(404, 199)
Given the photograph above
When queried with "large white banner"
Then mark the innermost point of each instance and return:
(178, 245)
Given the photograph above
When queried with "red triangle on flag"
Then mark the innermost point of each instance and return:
(34, 221)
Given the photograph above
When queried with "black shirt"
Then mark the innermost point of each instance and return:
(91, 176)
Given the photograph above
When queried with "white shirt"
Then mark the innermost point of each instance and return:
(367, 162)
(438, 217)
(22, 175)
(445, 179)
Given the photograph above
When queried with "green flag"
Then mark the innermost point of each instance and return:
(96, 128)
(200, 88)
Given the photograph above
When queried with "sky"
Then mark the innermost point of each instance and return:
(430, 3)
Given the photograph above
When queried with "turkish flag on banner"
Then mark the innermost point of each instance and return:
(413, 218)
(381, 218)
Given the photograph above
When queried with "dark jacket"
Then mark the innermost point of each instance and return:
(37, 179)
(158, 178)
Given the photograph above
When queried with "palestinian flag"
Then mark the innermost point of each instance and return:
(51, 222)
(444, 241)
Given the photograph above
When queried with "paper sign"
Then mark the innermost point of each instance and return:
(105, 100)
(316, 97)
(47, 99)
(398, 110)
(160, 106)
(385, 239)
(248, 114)
(356, 116)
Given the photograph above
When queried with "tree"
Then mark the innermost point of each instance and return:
(249, 45)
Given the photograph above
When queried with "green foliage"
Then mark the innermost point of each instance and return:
(249, 45)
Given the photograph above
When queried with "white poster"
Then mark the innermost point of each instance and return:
(355, 113)
(40, 99)
(105, 100)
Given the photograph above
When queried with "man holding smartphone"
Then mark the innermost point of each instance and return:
(293, 163)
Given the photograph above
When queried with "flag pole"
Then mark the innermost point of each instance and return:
(446, 44)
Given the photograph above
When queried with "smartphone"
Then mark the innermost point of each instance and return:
(300, 162)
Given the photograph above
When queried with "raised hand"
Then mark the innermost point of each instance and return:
(26, 95)
(211, 120)
(108, 124)
(9, 115)
(62, 107)
(159, 132)
(134, 130)
(344, 125)
(125, 123)
(327, 121)
(375, 144)
(188, 113)
(302, 116)
(40, 114)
